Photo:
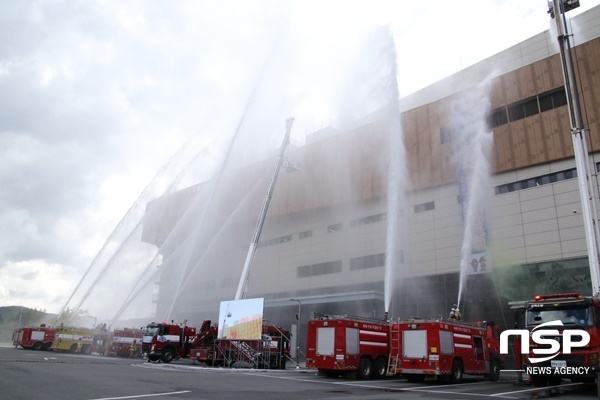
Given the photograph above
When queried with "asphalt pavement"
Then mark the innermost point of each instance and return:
(30, 374)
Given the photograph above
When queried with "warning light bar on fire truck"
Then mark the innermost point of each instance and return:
(569, 295)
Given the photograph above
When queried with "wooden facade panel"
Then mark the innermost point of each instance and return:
(588, 56)
(526, 81)
(556, 71)
(423, 178)
(435, 124)
(593, 136)
(592, 53)
(446, 150)
(502, 150)
(543, 76)
(510, 87)
(564, 130)
(554, 145)
(496, 94)
(409, 129)
(520, 150)
(535, 140)
(558, 136)
(591, 111)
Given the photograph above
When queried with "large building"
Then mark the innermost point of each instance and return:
(325, 240)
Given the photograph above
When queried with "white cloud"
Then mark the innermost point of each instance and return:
(35, 284)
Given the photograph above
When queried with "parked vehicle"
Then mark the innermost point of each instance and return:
(353, 346)
(36, 338)
(445, 349)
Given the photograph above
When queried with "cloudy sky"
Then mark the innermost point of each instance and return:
(96, 95)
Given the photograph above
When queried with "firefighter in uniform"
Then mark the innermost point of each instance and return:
(80, 346)
(455, 313)
(133, 349)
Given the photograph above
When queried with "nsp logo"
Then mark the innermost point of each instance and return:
(549, 337)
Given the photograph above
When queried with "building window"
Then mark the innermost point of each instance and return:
(553, 99)
(524, 109)
(368, 220)
(330, 267)
(424, 207)
(498, 117)
(534, 105)
(271, 242)
(372, 261)
(538, 181)
(335, 227)
(305, 234)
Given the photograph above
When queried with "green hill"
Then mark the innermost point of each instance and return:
(14, 317)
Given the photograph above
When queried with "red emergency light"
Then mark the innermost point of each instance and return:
(568, 295)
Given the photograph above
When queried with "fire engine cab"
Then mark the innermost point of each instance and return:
(445, 349)
(559, 313)
(354, 346)
(165, 341)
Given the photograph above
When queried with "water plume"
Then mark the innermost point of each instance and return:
(124, 229)
(473, 143)
(397, 182)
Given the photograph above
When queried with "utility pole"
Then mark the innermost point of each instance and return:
(558, 9)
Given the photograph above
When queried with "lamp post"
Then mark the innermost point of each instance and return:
(298, 333)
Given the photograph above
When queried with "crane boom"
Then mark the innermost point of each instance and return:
(243, 285)
(588, 205)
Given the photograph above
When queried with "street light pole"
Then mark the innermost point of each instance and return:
(298, 333)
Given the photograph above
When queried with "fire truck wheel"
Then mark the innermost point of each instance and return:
(380, 368)
(73, 348)
(457, 372)
(153, 358)
(494, 371)
(37, 346)
(167, 356)
(365, 368)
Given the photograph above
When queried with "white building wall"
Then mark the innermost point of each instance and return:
(526, 226)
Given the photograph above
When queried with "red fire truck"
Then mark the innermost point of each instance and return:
(122, 339)
(101, 340)
(445, 348)
(37, 338)
(560, 313)
(203, 346)
(164, 342)
(353, 346)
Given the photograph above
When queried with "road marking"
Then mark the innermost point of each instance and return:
(427, 389)
(144, 395)
(538, 389)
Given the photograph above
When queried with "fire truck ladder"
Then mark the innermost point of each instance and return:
(321, 316)
(396, 341)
